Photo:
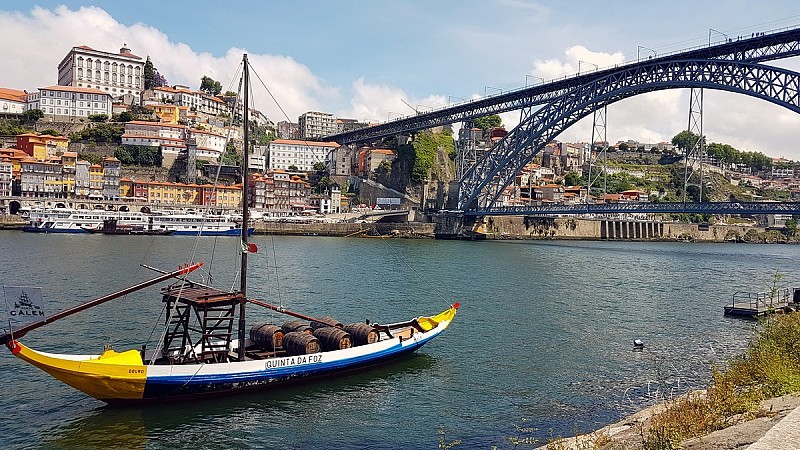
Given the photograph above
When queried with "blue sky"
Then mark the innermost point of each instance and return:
(359, 59)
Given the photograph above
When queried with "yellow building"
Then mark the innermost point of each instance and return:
(95, 181)
(69, 160)
(166, 113)
(229, 197)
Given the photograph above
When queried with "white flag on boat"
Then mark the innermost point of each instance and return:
(23, 304)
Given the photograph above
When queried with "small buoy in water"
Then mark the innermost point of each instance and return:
(638, 343)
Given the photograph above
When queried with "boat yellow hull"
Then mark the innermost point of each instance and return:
(110, 376)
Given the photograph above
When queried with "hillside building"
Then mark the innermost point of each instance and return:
(115, 74)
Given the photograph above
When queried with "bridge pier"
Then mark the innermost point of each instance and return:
(453, 225)
(625, 229)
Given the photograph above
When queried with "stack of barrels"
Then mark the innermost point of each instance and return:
(297, 337)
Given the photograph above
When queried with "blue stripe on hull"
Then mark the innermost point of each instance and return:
(179, 387)
(54, 230)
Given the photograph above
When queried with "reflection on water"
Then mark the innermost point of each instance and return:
(543, 338)
(182, 425)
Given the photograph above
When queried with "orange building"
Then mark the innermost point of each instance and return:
(40, 146)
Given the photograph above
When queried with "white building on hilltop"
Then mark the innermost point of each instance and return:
(284, 153)
(316, 124)
(116, 74)
(12, 101)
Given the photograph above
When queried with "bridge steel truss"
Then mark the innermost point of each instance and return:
(771, 46)
(484, 182)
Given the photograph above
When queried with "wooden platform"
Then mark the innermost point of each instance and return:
(754, 305)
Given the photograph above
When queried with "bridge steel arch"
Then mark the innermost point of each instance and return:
(483, 183)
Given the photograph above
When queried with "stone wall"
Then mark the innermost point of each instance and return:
(145, 173)
(409, 230)
(516, 227)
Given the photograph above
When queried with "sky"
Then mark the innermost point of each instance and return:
(369, 60)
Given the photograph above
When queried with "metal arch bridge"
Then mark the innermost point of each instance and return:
(732, 66)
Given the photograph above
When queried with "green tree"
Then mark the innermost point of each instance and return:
(124, 156)
(152, 78)
(32, 115)
(124, 116)
(573, 179)
(292, 168)
(791, 227)
(98, 117)
(51, 132)
(100, 133)
(230, 94)
(685, 140)
(319, 166)
(324, 184)
(486, 122)
(231, 157)
(210, 86)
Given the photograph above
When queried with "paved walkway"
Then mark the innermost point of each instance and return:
(784, 435)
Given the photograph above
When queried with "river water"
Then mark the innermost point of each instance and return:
(541, 347)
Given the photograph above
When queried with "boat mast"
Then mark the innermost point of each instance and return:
(245, 209)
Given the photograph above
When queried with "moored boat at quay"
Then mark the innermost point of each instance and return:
(193, 224)
(67, 220)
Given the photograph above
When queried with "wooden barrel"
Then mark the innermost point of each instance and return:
(300, 343)
(331, 338)
(362, 333)
(266, 336)
(326, 321)
(296, 325)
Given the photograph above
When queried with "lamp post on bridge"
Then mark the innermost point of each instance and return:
(490, 87)
(453, 96)
(640, 47)
(532, 76)
(718, 32)
(596, 67)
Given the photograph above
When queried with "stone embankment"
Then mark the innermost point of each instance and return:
(406, 230)
(10, 222)
(515, 227)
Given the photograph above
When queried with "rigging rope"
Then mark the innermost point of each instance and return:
(415, 272)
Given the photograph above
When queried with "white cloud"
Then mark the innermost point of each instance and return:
(577, 58)
(377, 102)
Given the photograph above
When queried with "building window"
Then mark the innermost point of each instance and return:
(114, 77)
(106, 65)
(105, 76)
(97, 65)
(97, 72)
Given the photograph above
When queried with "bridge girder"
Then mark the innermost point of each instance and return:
(484, 182)
(769, 47)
